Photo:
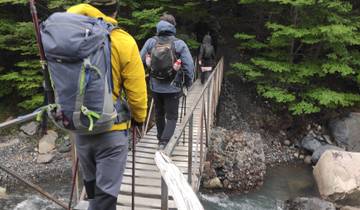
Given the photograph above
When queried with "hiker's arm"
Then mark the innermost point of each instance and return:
(133, 76)
(146, 49)
(201, 53)
(187, 64)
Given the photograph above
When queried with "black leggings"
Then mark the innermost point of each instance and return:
(166, 114)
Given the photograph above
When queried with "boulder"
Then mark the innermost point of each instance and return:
(214, 183)
(47, 142)
(2, 192)
(337, 175)
(236, 156)
(310, 143)
(349, 208)
(30, 128)
(45, 158)
(307, 159)
(302, 203)
(320, 151)
(346, 132)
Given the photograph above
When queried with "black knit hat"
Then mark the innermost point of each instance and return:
(108, 7)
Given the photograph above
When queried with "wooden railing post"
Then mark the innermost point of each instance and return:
(190, 148)
(164, 195)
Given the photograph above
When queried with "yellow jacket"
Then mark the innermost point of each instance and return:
(127, 67)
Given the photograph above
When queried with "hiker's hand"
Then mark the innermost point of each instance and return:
(135, 123)
(185, 91)
(200, 62)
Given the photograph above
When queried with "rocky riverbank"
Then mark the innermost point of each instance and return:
(252, 138)
(35, 159)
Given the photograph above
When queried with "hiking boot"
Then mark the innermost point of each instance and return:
(162, 145)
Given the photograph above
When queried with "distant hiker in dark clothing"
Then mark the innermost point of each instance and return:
(206, 58)
(171, 66)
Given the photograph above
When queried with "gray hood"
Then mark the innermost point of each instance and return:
(166, 28)
(207, 39)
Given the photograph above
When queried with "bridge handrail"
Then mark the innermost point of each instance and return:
(175, 181)
(214, 77)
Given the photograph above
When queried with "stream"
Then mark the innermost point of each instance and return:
(281, 183)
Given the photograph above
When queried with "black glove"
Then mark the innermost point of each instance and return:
(134, 123)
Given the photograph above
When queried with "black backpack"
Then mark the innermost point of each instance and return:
(163, 57)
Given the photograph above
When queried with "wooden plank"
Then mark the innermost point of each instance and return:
(149, 203)
(142, 181)
(84, 205)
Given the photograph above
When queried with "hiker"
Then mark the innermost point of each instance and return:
(171, 68)
(103, 156)
(206, 58)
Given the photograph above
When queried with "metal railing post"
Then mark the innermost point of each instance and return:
(164, 195)
(190, 148)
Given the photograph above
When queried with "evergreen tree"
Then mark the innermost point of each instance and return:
(308, 58)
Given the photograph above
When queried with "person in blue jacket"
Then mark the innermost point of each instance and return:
(166, 93)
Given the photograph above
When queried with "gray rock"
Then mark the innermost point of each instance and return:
(346, 132)
(30, 128)
(287, 142)
(308, 204)
(3, 193)
(320, 151)
(310, 143)
(214, 183)
(45, 158)
(307, 159)
(47, 142)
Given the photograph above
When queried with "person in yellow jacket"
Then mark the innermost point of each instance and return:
(103, 156)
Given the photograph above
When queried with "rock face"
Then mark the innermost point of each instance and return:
(337, 175)
(308, 204)
(236, 159)
(346, 132)
(321, 150)
(47, 142)
(30, 128)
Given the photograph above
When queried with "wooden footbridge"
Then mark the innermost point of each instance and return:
(170, 179)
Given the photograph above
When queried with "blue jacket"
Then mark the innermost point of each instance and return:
(166, 29)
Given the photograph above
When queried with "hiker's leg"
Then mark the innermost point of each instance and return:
(172, 112)
(87, 164)
(111, 155)
(202, 77)
(159, 113)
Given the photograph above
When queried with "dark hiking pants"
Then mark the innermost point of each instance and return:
(102, 161)
(166, 114)
(205, 76)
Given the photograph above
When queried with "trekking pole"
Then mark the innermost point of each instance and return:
(49, 94)
(184, 115)
(74, 174)
(133, 170)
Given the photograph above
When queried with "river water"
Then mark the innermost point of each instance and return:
(281, 183)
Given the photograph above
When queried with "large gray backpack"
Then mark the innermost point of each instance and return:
(78, 53)
(163, 57)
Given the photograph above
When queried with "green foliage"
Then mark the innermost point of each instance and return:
(307, 45)
(142, 22)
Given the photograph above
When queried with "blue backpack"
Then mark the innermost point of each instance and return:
(78, 53)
